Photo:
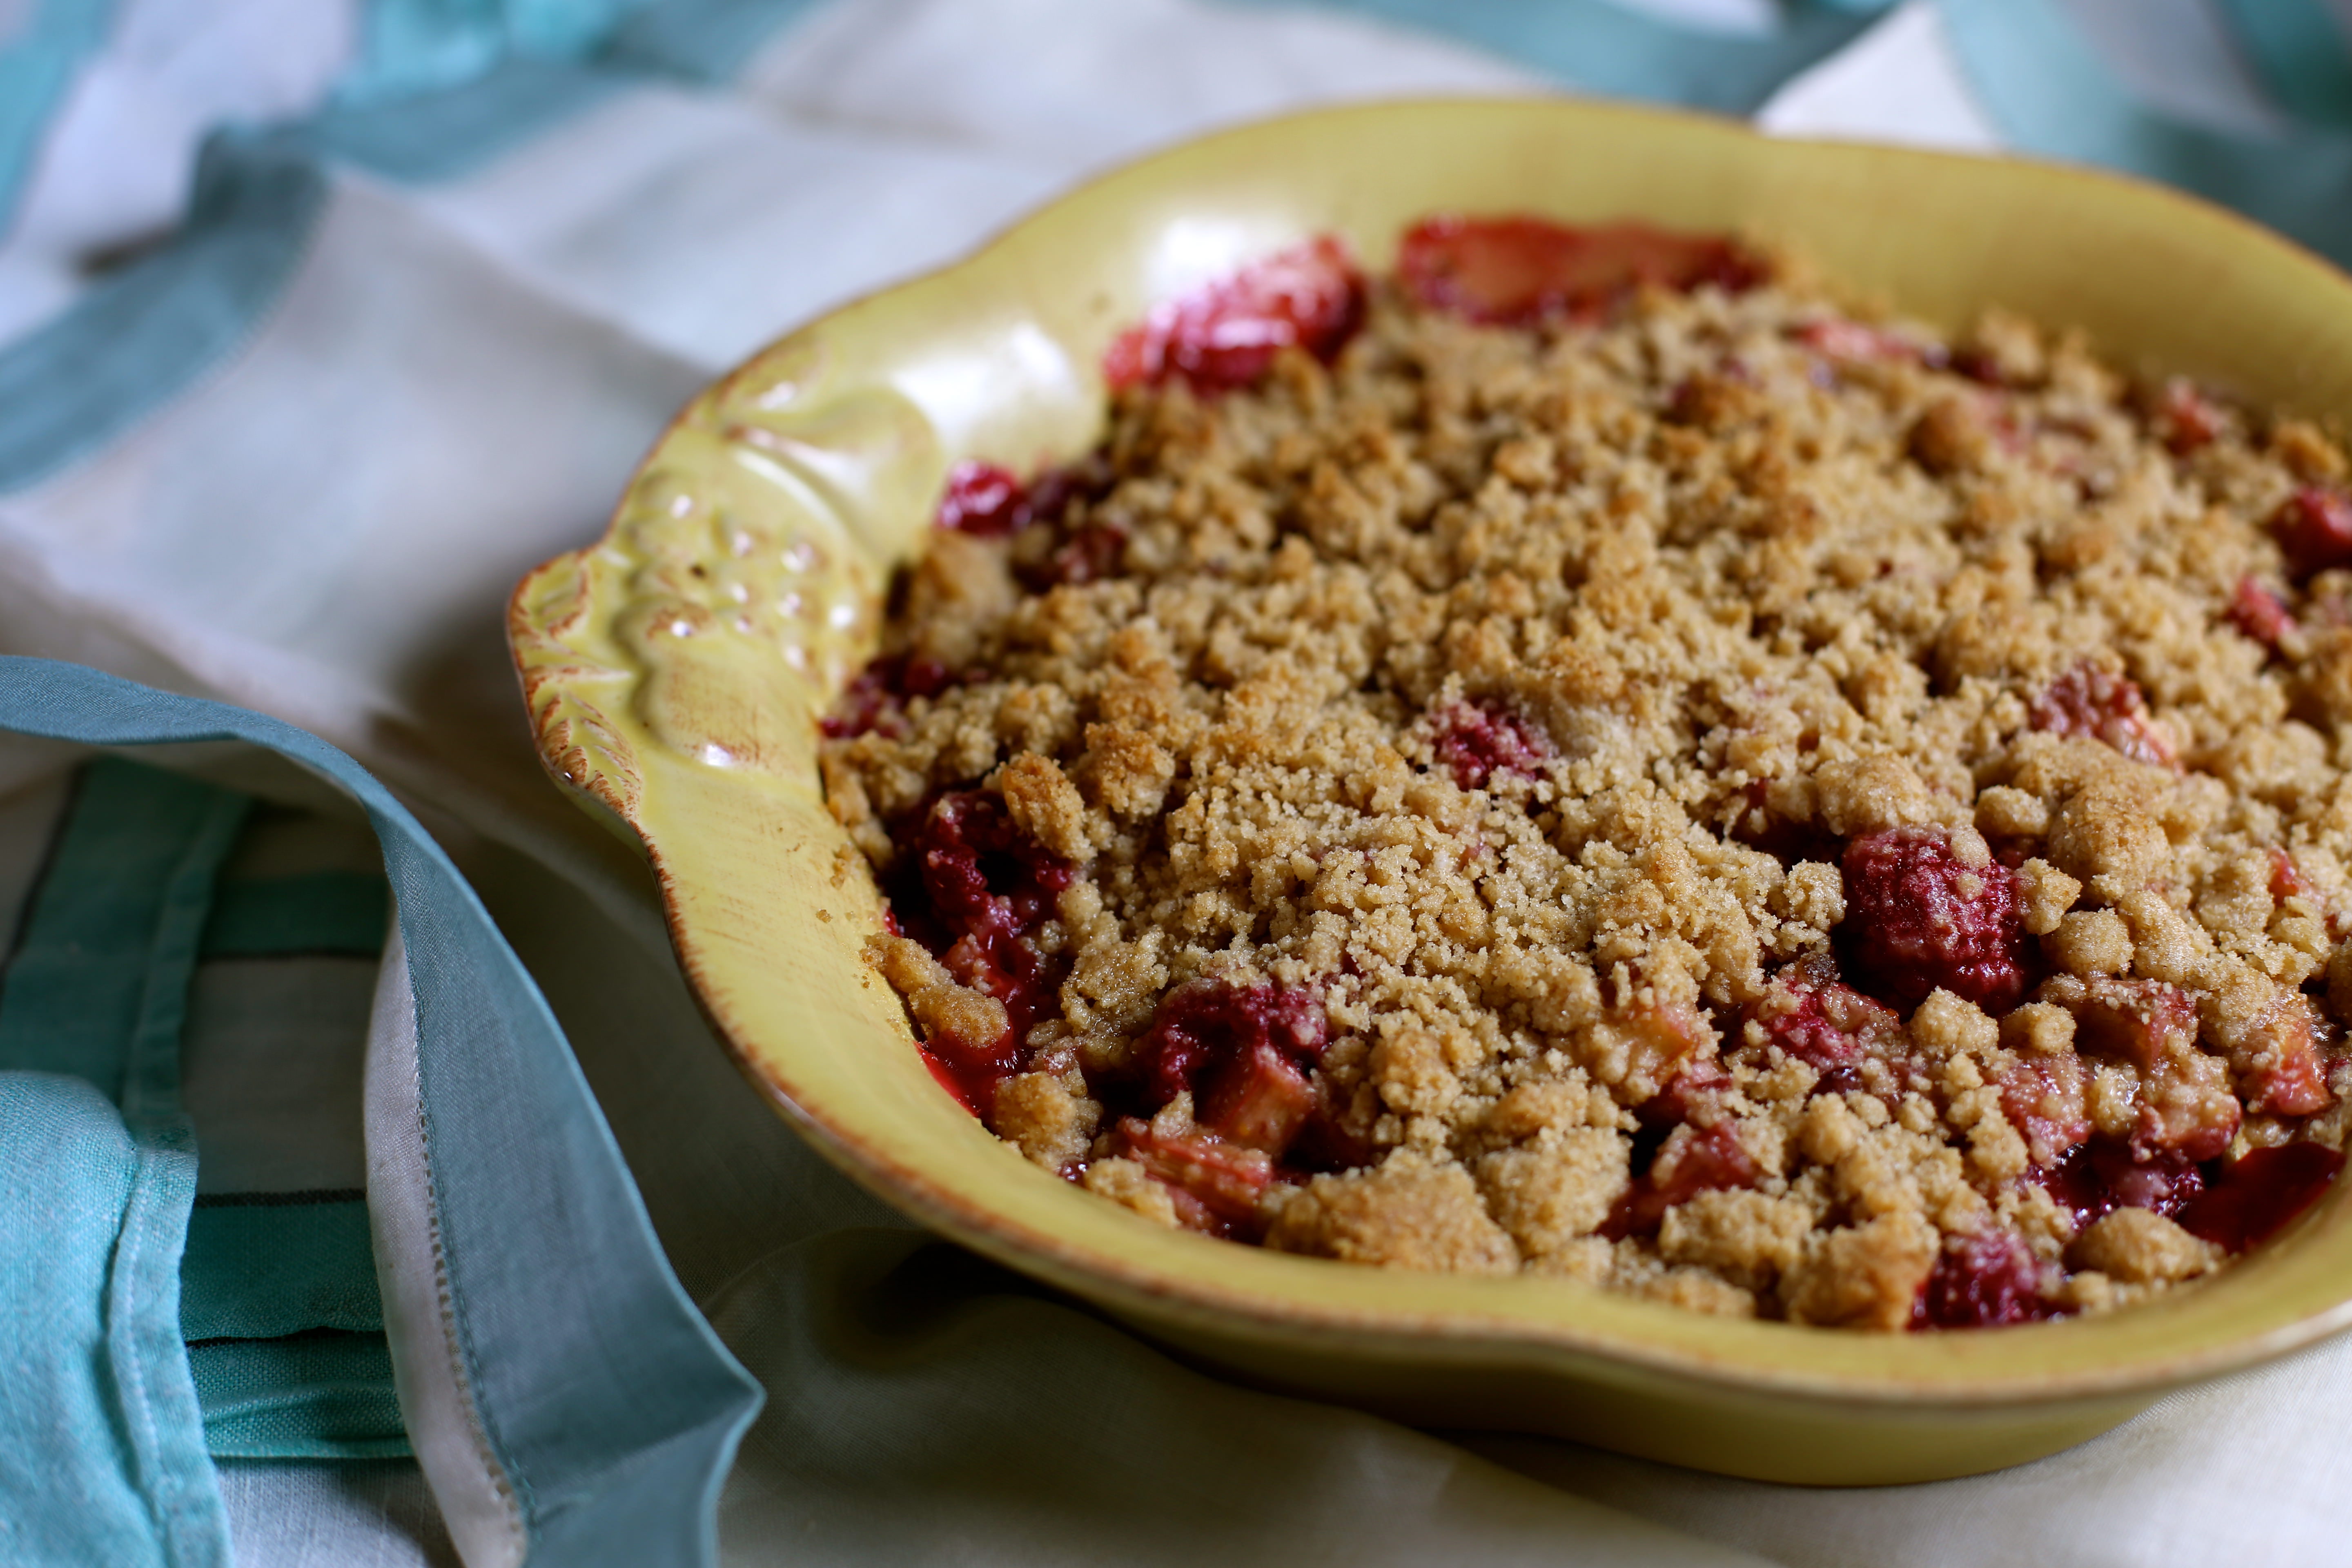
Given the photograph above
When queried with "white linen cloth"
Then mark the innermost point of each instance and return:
(460, 376)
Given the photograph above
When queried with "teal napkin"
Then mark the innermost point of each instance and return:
(600, 1407)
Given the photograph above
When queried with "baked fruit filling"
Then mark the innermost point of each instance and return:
(1592, 756)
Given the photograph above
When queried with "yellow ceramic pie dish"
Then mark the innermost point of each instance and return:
(675, 669)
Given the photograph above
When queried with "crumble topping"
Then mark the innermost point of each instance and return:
(1593, 757)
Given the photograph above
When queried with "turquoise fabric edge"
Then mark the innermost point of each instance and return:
(698, 40)
(2303, 54)
(98, 986)
(1604, 47)
(2049, 93)
(614, 1422)
(101, 1453)
(37, 67)
(420, 46)
(137, 339)
(444, 135)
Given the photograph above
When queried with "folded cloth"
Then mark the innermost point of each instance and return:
(426, 308)
(595, 1434)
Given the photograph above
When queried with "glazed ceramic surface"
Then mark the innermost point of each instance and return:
(675, 669)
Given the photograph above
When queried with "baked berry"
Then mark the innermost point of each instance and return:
(1816, 1018)
(1522, 271)
(875, 699)
(1225, 335)
(1917, 918)
(2314, 528)
(983, 499)
(1981, 1282)
(2096, 704)
(1242, 1052)
(2102, 1175)
(1692, 1160)
(2184, 419)
(2253, 1197)
(1475, 741)
(2260, 613)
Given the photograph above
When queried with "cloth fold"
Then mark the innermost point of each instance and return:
(603, 1433)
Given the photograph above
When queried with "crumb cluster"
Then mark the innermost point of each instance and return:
(1736, 801)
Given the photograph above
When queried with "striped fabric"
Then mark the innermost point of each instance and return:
(259, 929)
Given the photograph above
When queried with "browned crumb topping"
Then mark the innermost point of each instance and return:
(1731, 803)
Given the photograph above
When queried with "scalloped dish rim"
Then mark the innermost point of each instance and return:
(690, 726)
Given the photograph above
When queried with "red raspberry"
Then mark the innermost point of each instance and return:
(1692, 1160)
(2184, 419)
(2106, 1173)
(2260, 613)
(1475, 741)
(877, 698)
(984, 499)
(1226, 335)
(1981, 1282)
(2314, 527)
(2096, 705)
(2253, 1198)
(1916, 919)
(1522, 271)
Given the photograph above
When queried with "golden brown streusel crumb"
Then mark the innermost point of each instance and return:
(1730, 801)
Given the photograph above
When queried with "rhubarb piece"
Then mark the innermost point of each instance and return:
(2096, 704)
(1918, 918)
(1225, 335)
(1692, 1161)
(2287, 880)
(2314, 527)
(2185, 418)
(2260, 613)
(1981, 1282)
(2042, 1096)
(2185, 1104)
(1697, 1080)
(1845, 341)
(1259, 1099)
(2141, 1021)
(1475, 741)
(2279, 1069)
(1236, 1049)
(1221, 1179)
(1522, 271)
(2256, 1194)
